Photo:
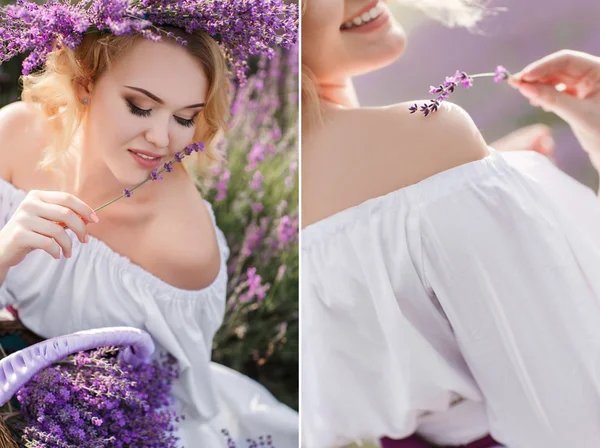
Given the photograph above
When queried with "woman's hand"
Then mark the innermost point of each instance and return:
(536, 137)
(38, 224)
(567, 83)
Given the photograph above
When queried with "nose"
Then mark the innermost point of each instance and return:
(158, 132)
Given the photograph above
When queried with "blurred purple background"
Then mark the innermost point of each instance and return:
(526, 31)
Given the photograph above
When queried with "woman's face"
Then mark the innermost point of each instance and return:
(146, 102)
(342, 38)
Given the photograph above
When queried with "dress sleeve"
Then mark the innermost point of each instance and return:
(514, 261)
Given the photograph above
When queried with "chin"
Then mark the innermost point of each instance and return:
(387, 51)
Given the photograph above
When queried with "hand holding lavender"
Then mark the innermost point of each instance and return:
(461, 79)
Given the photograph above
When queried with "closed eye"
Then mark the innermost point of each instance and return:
(146, 113)
(137, 111)
(186, 123)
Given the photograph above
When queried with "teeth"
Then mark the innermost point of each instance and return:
(372, 14)
(145, 156)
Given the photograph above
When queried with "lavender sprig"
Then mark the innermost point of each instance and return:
(155, 175)
(461, 79)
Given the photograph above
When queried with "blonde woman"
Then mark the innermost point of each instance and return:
(450, 292)
(94, 120)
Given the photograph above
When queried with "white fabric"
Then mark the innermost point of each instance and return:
(98, 288)
(480, 282)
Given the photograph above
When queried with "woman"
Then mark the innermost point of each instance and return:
(100, 118)
(449, 292)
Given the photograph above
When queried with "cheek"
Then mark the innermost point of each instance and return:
(180, 137)
(111, 122)
(321, 38)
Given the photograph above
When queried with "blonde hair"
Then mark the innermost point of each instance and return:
(53, 90)
(464, 13)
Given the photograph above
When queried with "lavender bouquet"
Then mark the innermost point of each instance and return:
(92, 399)
(255, 198)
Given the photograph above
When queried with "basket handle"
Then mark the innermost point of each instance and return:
(18, 368)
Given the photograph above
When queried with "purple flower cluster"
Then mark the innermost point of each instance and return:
(241, 27)
(94, 400)
(255, 287)
(444, 90)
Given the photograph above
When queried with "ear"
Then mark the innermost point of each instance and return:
(83, 90)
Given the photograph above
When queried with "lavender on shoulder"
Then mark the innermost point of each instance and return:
(461, 79)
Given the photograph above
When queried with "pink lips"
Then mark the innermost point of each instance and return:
(146, 163)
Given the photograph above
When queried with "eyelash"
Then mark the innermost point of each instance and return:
(146, 113)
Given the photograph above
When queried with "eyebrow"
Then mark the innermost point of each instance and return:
(158, 100)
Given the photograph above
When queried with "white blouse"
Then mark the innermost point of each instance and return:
(465, 304)
(98, 287)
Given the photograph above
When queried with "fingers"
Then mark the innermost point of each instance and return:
(54, 231)
(566, 106)
(59, 213)
(564, 66)
(37, 241)
(67, 200)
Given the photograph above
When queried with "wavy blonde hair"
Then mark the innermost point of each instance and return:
(54, 91)
(452, 13)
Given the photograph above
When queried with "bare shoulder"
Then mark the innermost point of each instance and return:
(185, 252)
(23, 131)
(446, 138)
(359, 154)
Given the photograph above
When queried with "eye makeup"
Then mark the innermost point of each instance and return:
(146, 113)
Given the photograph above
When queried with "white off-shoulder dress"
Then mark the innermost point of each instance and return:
(98, 287)
(465, 304)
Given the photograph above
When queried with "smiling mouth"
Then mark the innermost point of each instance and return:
(144, 156)
(365, 17)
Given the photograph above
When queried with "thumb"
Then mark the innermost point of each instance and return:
(566, 106)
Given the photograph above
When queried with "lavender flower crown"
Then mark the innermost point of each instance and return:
(241, 27)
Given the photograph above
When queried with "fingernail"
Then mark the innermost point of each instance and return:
(94, 217)
(87, 239)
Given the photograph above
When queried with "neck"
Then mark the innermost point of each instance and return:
(340, 93)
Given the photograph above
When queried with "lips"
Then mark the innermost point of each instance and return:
(144, 162)
(146, 153)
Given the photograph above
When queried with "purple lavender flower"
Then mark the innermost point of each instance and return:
(222, 185)
(154, 175)
(179, 157)
(444, 90)
(501, 74)
(169, 167)
(242, 28)
(94, 400)
(257, 181)
(255, 287)
(194, 147)
(127, 192)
